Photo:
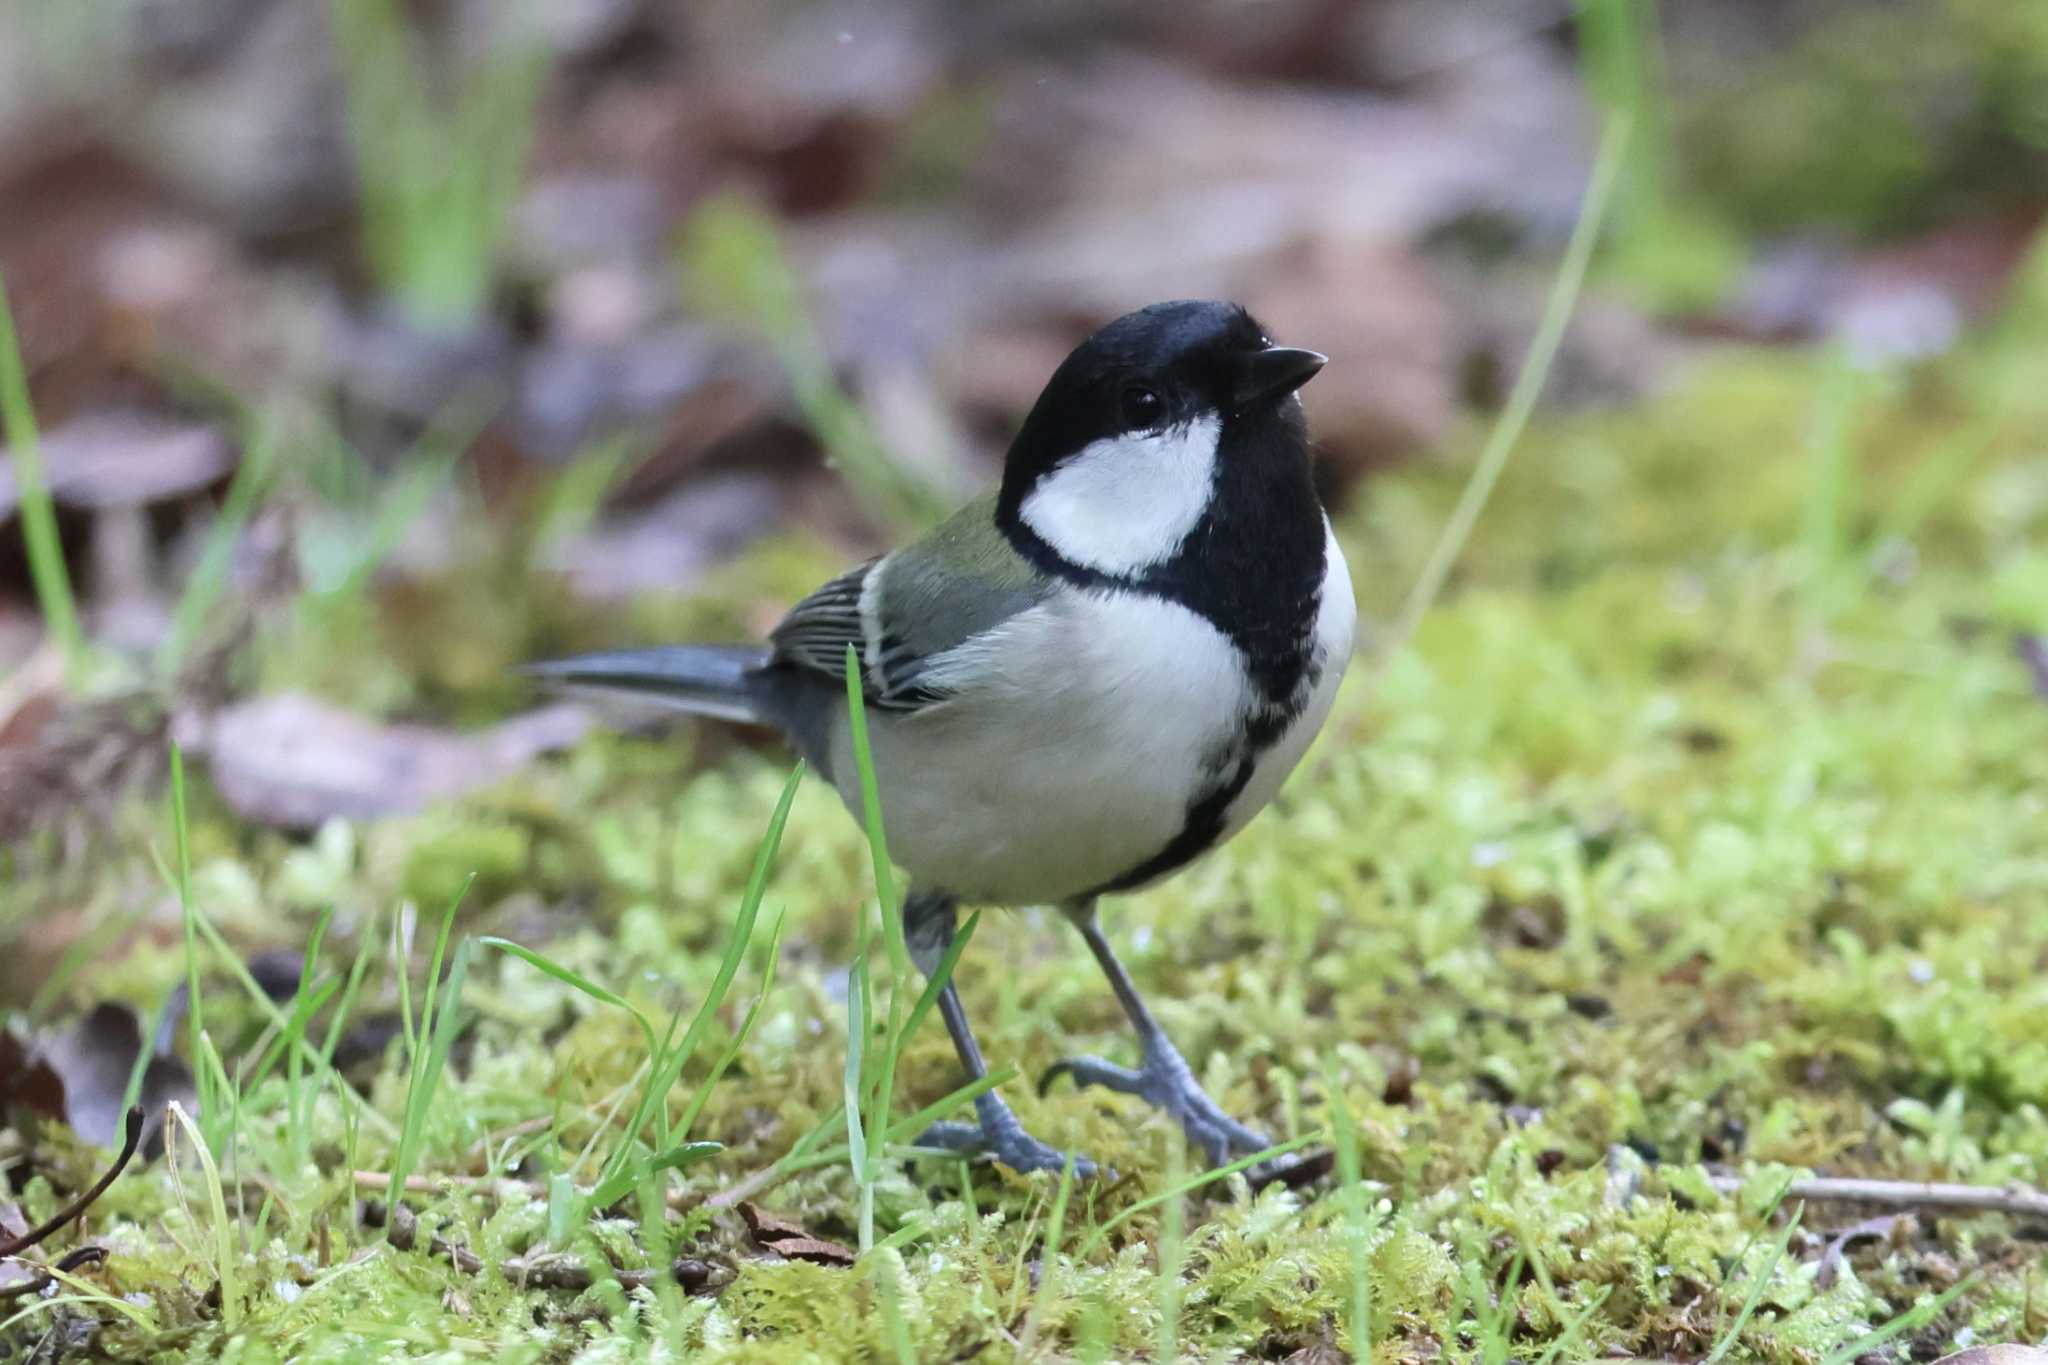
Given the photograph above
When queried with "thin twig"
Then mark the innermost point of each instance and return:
(459, 1256)
(507, 1187)
(132, 1139)
(1908, 1194)
(441, 1184)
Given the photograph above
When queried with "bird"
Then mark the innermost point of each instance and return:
(1080, 682)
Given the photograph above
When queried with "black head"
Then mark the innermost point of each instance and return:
(1166, 365)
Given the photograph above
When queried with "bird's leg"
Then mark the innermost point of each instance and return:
(929, 922)
(1163, 1079)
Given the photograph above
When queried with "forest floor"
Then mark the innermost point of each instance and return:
(1697, 842)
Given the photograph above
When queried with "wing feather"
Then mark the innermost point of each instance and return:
(907, 612)
(818, 629)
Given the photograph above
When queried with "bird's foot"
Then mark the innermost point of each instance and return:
(998, 1134)
(1165, 1082)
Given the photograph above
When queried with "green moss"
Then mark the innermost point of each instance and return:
(1881, 118)
(440, 862)
(1634, 847)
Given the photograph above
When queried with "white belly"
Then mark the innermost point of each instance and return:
(1092, 720)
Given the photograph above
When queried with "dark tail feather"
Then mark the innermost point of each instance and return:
(707, 680)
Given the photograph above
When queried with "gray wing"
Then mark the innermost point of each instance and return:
(906, 612)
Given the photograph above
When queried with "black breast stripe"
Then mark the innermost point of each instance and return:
(1253, 568)
(1207, 814)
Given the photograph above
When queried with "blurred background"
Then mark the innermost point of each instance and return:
(377, 346)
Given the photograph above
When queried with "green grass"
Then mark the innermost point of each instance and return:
(439, 175)
(880, 1090)
(195, 1004)
(427, 1045)
(1805, 897)
(1529, 380)
(38, 515)
(735, 266)
(1358, 1325)
(206, 585)
(226, 1257)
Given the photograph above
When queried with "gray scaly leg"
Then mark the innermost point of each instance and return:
(929, 922)
(1163, 1079)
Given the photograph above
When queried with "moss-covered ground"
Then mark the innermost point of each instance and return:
(1702, 828)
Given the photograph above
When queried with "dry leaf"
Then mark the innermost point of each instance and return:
(296, 762)
(815, 1250)
(78, 1075)
(773, 1232)
(124, 459)
(92, 1060)
(769, 1227)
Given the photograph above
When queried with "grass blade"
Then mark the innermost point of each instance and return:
(1048, 1260)
(870, 796)
(209, 577)
(264, 1005)
(881, 1092)
(666, 1064)
(1570, 1335)
(734, 262)
(1756, 1291)
(1914, 1318)
(194, 1008)
(438, 177)
(740, 1034)
(1528, 386)
(38, 514)
(807, 1155)
(941, 974)
(1193, 1183)
(1358, 1231)
(572, 979)
(858, 1022)
(1172, 1251)
(435, 1036)
(223, 1231)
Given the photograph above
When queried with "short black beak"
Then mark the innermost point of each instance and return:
(1276, 372)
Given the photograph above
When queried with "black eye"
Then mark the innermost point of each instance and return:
(1140, 406)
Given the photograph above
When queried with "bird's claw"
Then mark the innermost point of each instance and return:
(999, 1135)
(1166, 1083)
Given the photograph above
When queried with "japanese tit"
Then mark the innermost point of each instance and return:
(1082, 681)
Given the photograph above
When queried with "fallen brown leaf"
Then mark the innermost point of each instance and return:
(773, 1232)
(769, 1227)
(1903, 302)
(816, 1250)
(124, 459)
(294, 762)
(79, 1075)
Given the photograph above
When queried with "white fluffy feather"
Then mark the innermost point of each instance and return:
(1082, 728)
(1069, 755)
(1127, 502)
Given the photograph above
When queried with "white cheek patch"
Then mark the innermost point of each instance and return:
(1127, 502)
